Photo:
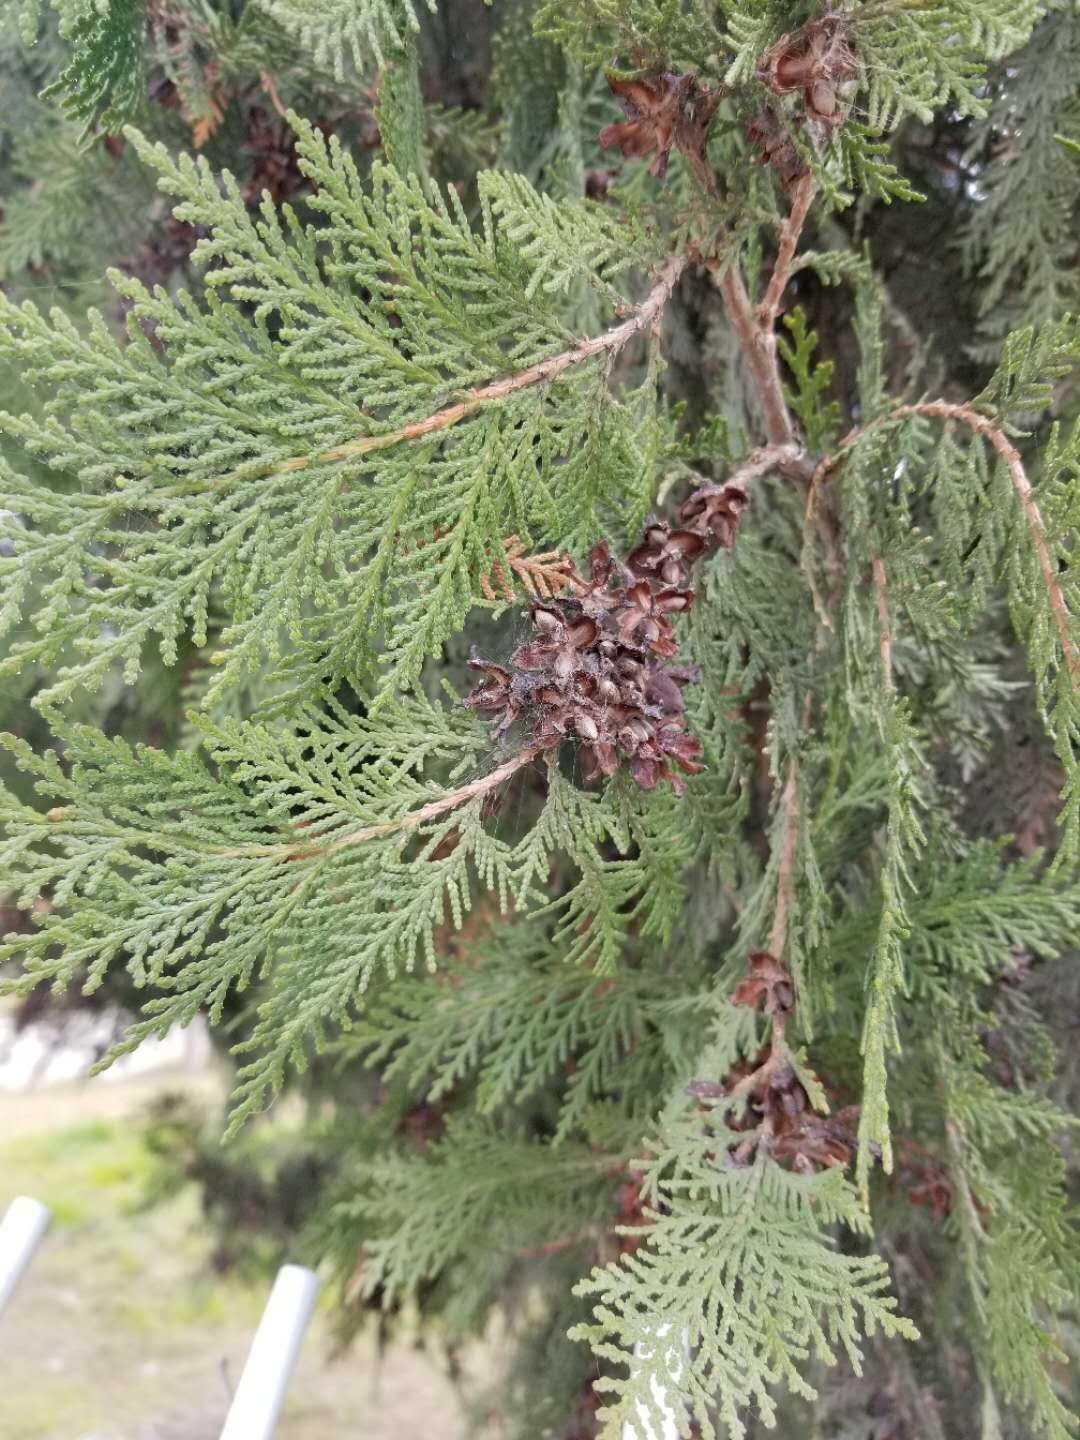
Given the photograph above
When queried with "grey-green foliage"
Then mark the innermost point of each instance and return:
(104, 79)
(684, 1307)
(275, 449)
(987, 522)
(510, 1025)
(92, 197)
(337, 31)
(300, 483)
(230, 865)
(1021, 1266)
(1020, 237)
(916, 58)
(478, 1191)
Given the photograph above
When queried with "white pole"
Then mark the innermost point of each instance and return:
(259, 1396)
(21, 1230)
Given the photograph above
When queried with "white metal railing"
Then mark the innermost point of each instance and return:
(21, 1231)
(261, 1392)
(256, 1405)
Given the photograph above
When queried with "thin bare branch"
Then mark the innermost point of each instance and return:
(761, 461)
(785, 873)
(755, 334)
(1014, 465)
(790, 233)
(759, 350)
(642, 319)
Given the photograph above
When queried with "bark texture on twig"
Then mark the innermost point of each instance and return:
(790, 233)
(642, 319)
(754, 330)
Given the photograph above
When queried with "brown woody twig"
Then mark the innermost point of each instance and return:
(755, 333)
(790, 232)
(642, 319)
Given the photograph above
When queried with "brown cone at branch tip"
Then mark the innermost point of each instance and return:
(768, 1107)
(809, 1139)
(594, 669)
(768, 982)
(663, 112)
(815, 62)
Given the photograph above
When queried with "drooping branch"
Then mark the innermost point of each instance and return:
(641, 320)
(982, 425)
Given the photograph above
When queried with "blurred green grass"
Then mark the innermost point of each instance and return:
(123, 1330)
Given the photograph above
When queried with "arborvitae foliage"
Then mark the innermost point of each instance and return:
(535, 628)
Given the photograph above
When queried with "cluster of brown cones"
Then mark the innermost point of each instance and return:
(776, 1113)
(674, 111)
(595, 668)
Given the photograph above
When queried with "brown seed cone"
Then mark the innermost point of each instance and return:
(774, 146)
(594, 668)
(663, 112)
(816, 62)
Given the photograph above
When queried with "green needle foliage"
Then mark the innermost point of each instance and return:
(679, 986)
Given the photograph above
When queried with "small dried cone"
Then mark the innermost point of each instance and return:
(767, 983)
(933, 1189)
(713, 512)
(593, 670)
(774, 146)
(815, 61)
(665, 554)
(817, 1140)
(661, 113)
(588, 673)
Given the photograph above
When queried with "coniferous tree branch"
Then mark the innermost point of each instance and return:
(790, 233)
(452, 800)
(644, 317)
(982, 425)
(312, 474)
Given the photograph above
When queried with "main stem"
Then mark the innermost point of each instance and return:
(755, 332)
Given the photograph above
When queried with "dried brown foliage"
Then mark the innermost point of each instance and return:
(666, 112)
